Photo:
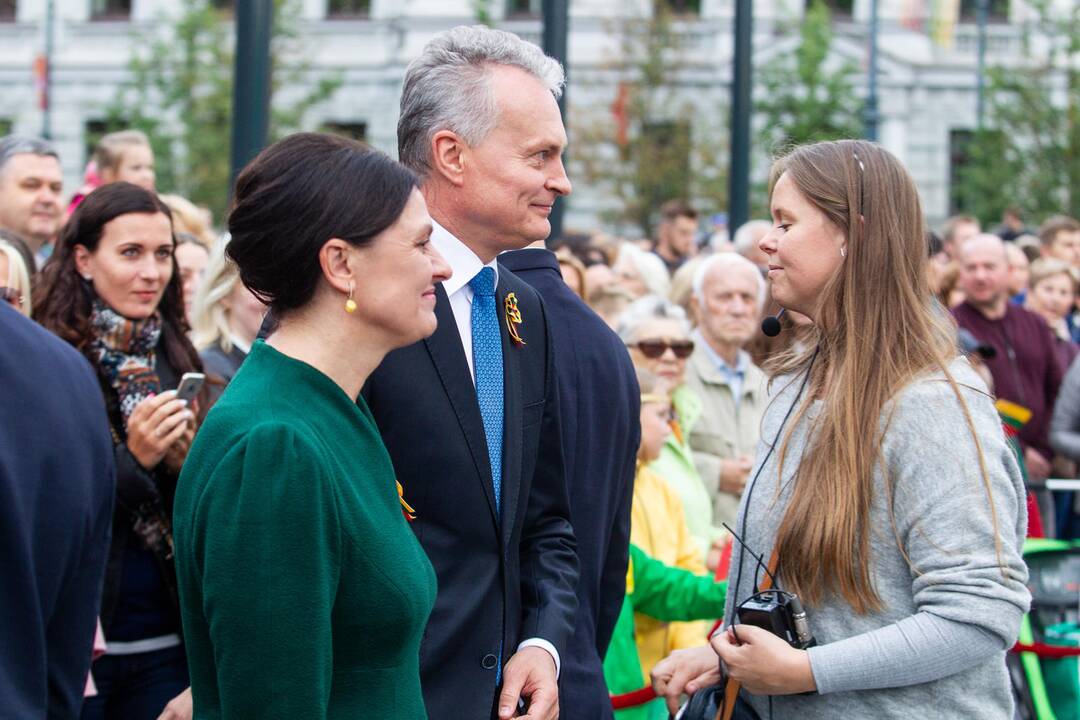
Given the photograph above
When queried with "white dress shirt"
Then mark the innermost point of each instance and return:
(465, 264)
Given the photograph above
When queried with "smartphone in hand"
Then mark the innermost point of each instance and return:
(190, 385)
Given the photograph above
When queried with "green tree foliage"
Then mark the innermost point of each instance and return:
(649, 146)
(1028, 155)
(800, 98)
(180, 94)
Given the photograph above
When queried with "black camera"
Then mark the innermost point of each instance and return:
(780, 613)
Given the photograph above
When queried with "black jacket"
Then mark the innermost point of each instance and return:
(600, 401)
(56, 500)
(501, 580)
(137, 487)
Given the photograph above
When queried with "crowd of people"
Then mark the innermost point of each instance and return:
(441, 468)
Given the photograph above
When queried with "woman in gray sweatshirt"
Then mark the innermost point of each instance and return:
(886, 496)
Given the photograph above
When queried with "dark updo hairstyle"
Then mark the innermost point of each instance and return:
(63, 301)
(295, 196)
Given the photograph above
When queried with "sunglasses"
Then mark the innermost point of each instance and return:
(11, 296)
(654, 349)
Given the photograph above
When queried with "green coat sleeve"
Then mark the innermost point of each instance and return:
(269, 552)
(673, 594)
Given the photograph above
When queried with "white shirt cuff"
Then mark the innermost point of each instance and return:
(542, 643)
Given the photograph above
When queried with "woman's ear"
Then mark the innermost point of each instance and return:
(338, 265)
(84, 262)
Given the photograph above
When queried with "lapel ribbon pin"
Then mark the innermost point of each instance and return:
(407, 511)
(513, 319)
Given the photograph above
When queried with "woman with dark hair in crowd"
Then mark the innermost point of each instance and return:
(886, 497)
(303, 591)
(111, 289)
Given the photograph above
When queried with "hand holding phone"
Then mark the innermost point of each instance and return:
(190, 385)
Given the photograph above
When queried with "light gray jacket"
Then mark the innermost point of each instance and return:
(937, 650)
(726, 428)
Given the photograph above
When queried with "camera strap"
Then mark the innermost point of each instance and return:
(732, 686)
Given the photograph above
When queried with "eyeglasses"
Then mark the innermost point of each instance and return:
(11, 296)
(654, 349)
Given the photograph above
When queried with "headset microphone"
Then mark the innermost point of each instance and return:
(771, 325)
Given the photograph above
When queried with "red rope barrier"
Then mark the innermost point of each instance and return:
(1047, 651)
(633, 699)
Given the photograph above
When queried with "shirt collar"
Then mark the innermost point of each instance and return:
(741, 365)
(239, 343)
(461, 259)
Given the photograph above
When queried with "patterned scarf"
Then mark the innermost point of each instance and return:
(124, 350)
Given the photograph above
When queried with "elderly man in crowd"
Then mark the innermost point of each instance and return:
(30, 185)
(728, 295)
(470, 416)
(746, 241)
(1025, 367)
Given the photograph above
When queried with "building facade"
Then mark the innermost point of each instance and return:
(927, 90)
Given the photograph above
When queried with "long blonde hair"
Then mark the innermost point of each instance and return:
(878, 329)
(209, 316)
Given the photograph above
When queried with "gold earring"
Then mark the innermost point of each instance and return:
(350, 304)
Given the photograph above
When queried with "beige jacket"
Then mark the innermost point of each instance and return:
(724, 430)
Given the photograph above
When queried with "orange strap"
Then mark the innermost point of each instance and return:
(731, 689)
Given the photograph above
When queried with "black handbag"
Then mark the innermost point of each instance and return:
(706, 703)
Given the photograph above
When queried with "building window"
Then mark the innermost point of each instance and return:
(351, 130)
(523, 8)
(110, 9)
(346, 9)
(7, 10)
(999, 10)
(680, 7)
(839, 8)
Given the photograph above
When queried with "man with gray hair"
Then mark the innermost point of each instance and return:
(470, 416)
(30, 186)
(747, 239)
(727, 298)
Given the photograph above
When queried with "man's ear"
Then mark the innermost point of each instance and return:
(448, 156)
(695, 309)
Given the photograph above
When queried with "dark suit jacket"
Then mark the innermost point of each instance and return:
(600, 401)
(56, 502)
(500, 580)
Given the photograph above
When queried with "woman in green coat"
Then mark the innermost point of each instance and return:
(303, 592)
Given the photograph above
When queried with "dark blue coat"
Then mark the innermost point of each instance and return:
(599, 401)
(56, 502)
(502, 579)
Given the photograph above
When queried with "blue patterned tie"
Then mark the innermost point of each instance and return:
(488, 366)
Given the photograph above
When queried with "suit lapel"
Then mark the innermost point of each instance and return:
(512, 439)
(448, 355)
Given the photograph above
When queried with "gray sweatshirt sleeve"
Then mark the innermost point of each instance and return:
(967, 575)
(1065, 425)
(920, 648)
